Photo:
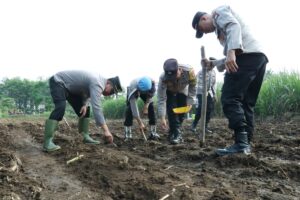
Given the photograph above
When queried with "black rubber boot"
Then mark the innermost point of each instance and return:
(193, 128)
(241, 145)
(177, 137)
(250, 137)
(207, 130)
(153, 134)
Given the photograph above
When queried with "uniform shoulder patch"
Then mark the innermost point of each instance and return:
(215, 15)
(192, 76)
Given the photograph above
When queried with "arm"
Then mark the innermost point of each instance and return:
(161, 101)
(220, 64)
(150, 96)
(135, 111)
(192, 87)
(228, 23)
(96, 92)
(107, 134)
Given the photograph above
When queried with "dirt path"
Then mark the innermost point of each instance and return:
(56, 182)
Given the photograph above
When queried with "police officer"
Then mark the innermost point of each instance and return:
(79, 88)
(245, 65)
(143, 87)
(176, 88)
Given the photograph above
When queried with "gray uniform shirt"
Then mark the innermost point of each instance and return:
(211, 82)
(185, 85)
(88, 85)
(232, 34)
(132, 98)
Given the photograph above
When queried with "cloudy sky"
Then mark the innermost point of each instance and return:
(130, 38)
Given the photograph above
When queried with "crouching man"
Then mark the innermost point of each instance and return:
(176, 88)
(78, 88)
(144, 88)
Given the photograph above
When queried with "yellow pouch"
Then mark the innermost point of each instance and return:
(181, 110)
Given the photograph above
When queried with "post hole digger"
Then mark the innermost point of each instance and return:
(205, 94)
(204, 99)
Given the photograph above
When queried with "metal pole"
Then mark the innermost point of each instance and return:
(204, 99)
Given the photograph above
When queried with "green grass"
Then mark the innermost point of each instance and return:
(280, 94)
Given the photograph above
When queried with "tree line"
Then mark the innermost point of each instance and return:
(23, 96)
(280, 94)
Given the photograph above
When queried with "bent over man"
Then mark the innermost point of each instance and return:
(78, 88)
(176, 88)
(144, 88)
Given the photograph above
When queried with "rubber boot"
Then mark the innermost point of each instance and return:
(153, 134)
(193, 128)
(83, 128)
(207, 130)
(50, 128)
(241, 145)
(127, 132)
(177, 137)
(250, 137)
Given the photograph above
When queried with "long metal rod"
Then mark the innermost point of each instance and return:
(204, 98)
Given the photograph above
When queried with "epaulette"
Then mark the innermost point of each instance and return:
(192, 76)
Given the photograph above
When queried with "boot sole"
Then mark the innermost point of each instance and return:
(91, 142)
(51, 150)
(230, 153)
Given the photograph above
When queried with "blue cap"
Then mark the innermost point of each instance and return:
(144, 84)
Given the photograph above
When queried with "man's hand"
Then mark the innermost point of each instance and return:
(145, 109)
(164, 125)
(207, 63)
(108, 137)
(142, 126)
(230, 63)
(83, 111)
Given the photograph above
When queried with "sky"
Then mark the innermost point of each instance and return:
(131, 38)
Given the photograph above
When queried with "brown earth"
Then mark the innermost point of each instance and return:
(148, 170)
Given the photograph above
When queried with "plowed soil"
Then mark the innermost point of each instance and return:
(148, 170)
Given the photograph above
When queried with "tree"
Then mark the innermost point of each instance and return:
(7, 104)
(28, 95)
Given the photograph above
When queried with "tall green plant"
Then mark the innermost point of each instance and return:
(280, 93)
(218, 104)
(114, 108)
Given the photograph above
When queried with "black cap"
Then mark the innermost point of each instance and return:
(196, 19)
(116, 84)
(170, 67)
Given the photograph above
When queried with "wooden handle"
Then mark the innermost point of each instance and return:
(202, 52)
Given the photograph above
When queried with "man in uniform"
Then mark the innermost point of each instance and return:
(143, 87)
(245, 65)
(78, 88)
(176, 88)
